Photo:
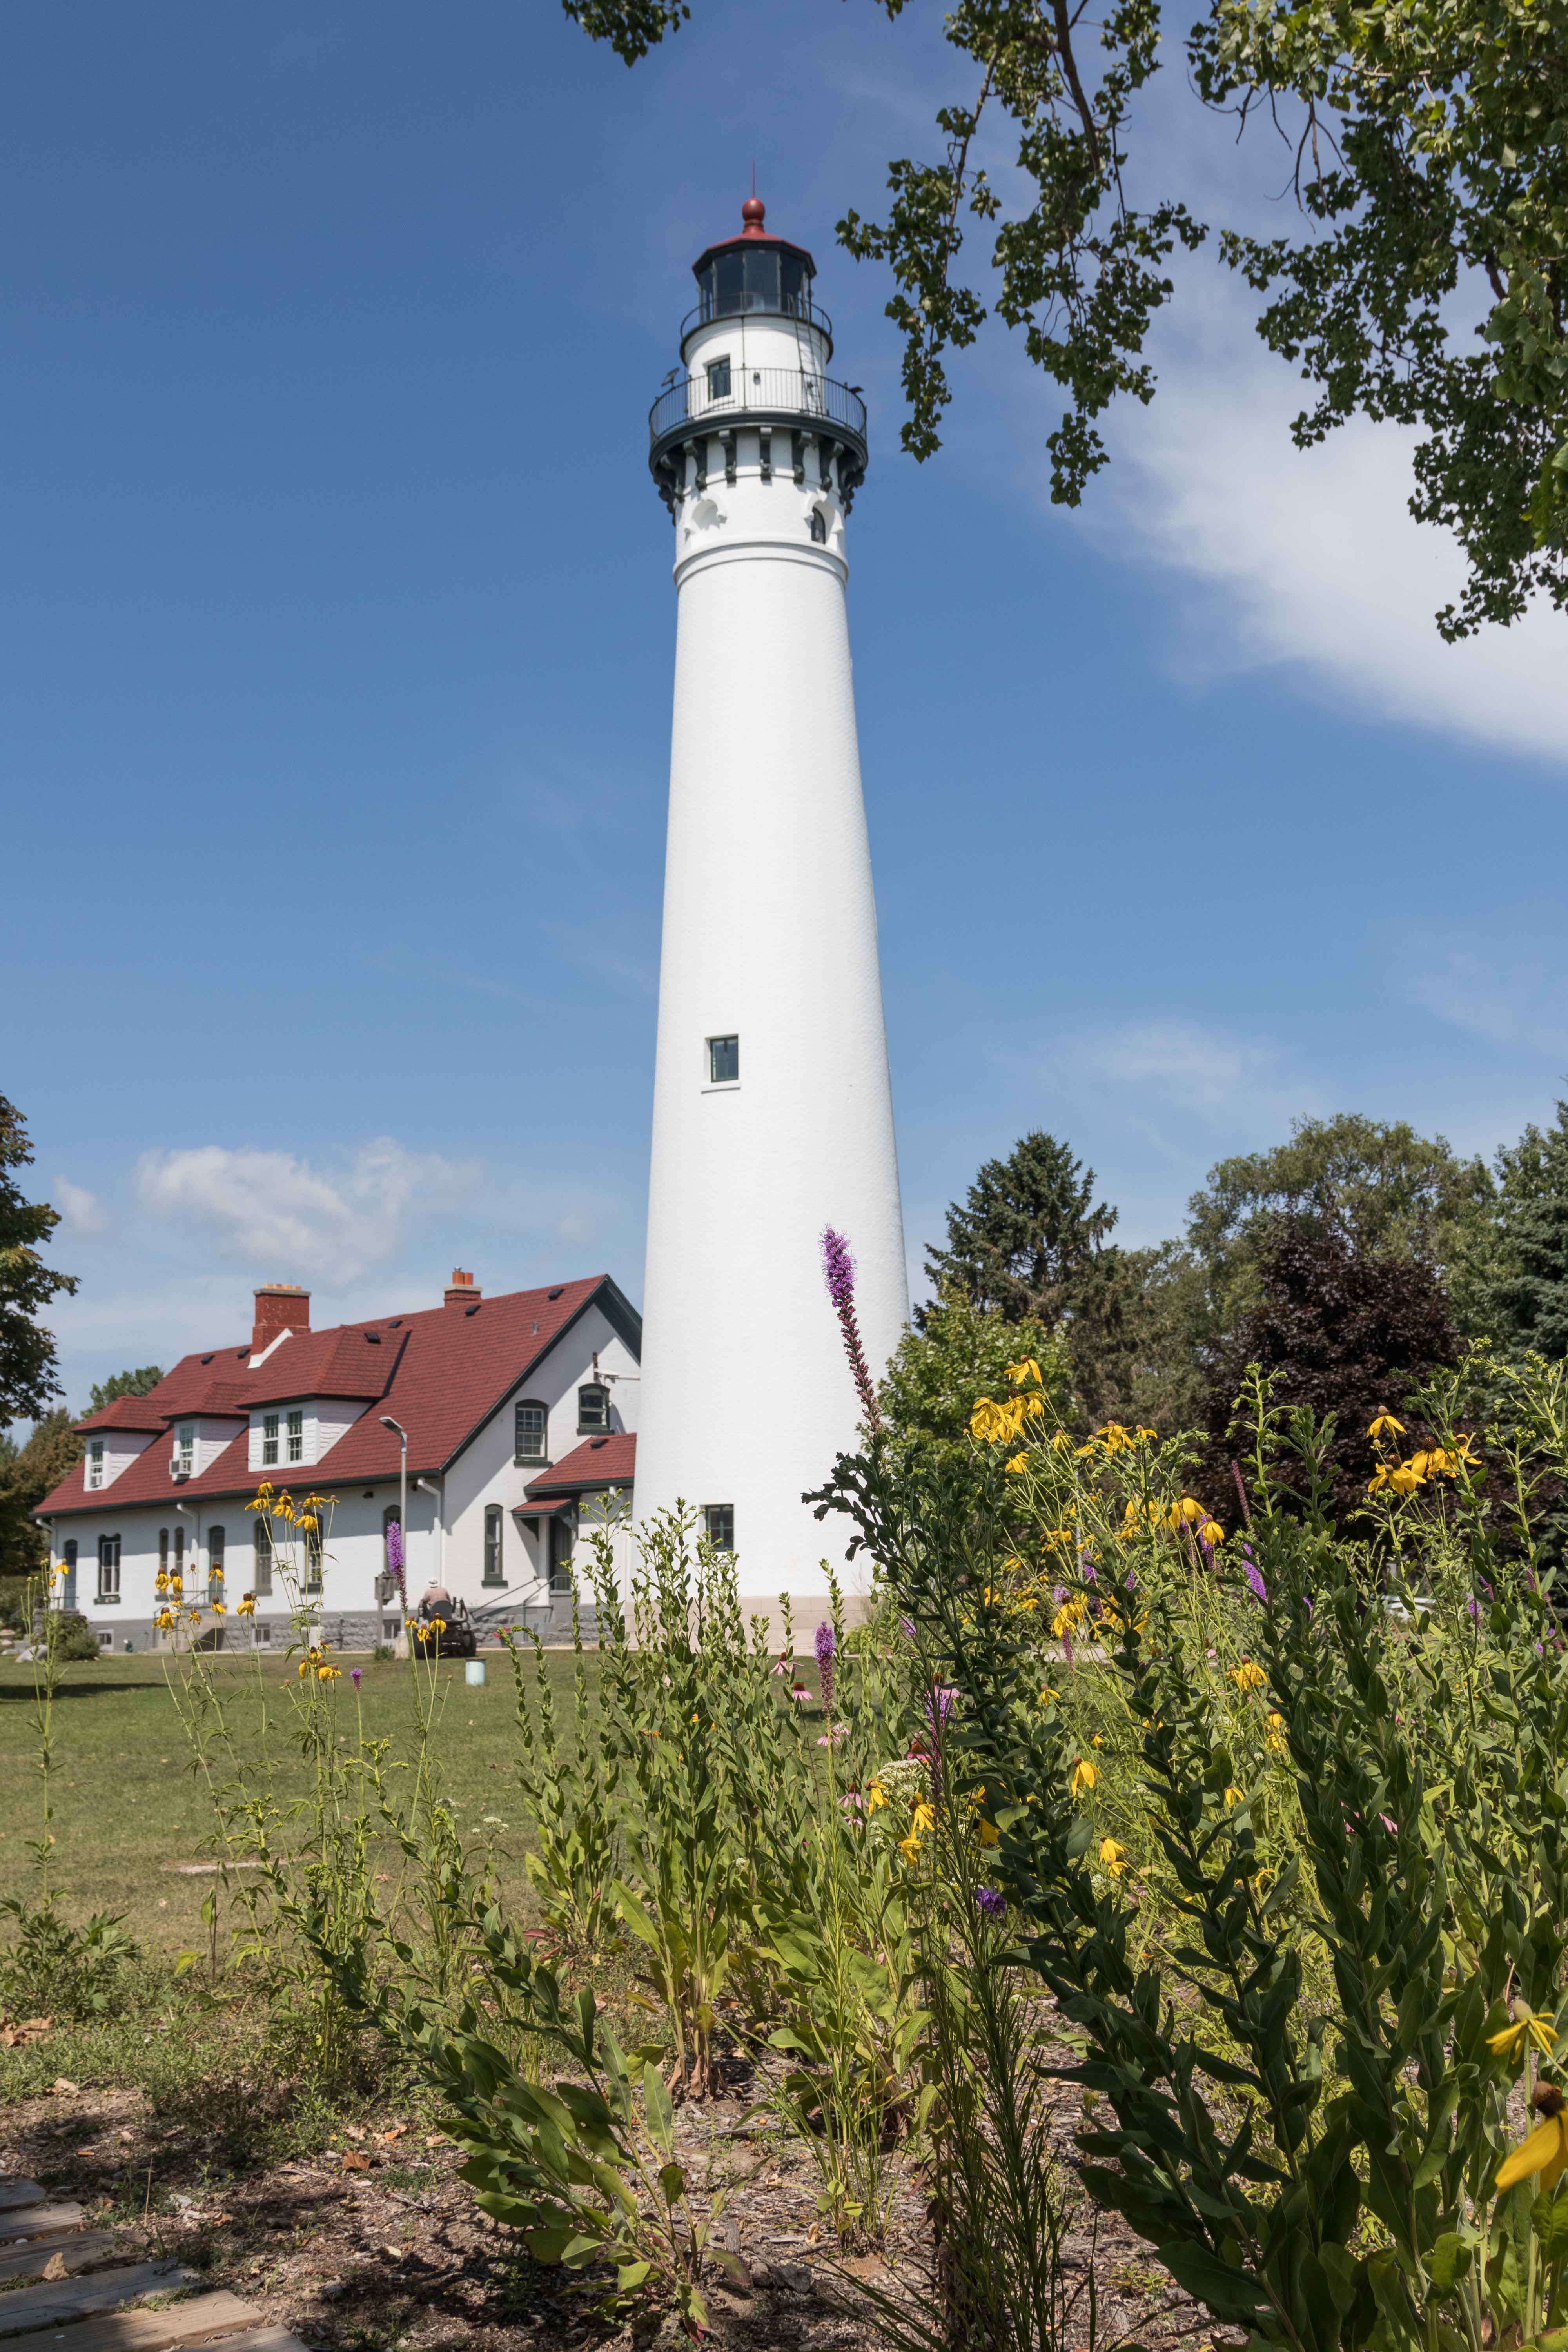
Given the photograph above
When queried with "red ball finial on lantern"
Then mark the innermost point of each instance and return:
(754, 212)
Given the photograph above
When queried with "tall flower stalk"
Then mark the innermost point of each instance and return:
(838, 1267)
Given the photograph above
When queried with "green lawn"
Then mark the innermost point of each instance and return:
(127, 1806)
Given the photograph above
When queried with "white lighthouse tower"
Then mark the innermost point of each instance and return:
(773, 1114)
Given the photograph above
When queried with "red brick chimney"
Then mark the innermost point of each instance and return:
(280, 1306)
(461, 1291)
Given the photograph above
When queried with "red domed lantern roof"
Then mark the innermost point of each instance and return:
(753, 213)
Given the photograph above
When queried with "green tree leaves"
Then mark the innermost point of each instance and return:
(26, 1286)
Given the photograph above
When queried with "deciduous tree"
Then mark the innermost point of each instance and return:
(1425, 145)
(26, 1285)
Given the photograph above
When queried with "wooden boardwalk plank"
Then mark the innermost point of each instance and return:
(198, 2321)
(16, 2191)
(62, 2300)
(76, 2251)
(39, 2221)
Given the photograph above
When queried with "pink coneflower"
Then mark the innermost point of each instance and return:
(799, 1692)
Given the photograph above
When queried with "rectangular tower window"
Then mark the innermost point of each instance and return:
(723, 1061)
(719, 1525)
(719, 379)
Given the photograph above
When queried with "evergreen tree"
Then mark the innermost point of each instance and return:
(27, 1357)
(1024, 1243)
(1530, 1285)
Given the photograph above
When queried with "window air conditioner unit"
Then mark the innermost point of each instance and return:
(179, 1471)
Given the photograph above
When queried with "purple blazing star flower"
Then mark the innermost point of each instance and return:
(989, 1902)
(825, 1661)
(354, 1676)
(907, 1628)
(1249, 1569)
(838, 1267)
(1131, 1580)
(1474, 1607)
(938, 1706)
(1086, 1565)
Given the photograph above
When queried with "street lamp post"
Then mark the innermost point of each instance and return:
(402, 1436)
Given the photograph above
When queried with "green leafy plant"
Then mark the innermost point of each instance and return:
(1330, 2172)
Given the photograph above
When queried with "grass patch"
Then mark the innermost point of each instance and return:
(127, 1806)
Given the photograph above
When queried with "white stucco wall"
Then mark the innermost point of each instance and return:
(770, 934)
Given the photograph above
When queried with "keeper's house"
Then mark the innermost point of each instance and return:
(518, 1413)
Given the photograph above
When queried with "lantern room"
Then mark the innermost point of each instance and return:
(754, 275)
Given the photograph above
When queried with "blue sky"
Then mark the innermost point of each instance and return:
(337, 647)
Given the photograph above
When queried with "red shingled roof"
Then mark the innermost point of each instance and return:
(125, 1412)
(597, 1462)
(440, 1372)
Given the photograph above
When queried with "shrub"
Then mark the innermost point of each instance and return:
(71, 1639)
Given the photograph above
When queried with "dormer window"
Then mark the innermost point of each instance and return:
(95, 1462)
(268, 1439)
(297, 1434)
(185, 1448)
(593, 1408)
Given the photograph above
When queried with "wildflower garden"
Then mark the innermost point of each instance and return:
(1240, 1817)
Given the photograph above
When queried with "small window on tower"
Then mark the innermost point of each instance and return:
(818, 528)
(719, 379)
(723, 1061)
(719, 1525)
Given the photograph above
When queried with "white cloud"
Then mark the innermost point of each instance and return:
(82, 1210)
(1178, 1062)
(1511, 995)
(280, 1214)
(1310, 557)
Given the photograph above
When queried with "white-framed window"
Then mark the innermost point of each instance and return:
(95, 1461)
(262, 1571)
(530, 1422)
(268, 1439)
(593, 1408)
(186, 1447)
(296, 1433)
(109, 1568)
(106, 1640)
(261, 1634)
(723, 1061)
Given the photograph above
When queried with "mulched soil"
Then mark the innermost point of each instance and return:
(374, 2242)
